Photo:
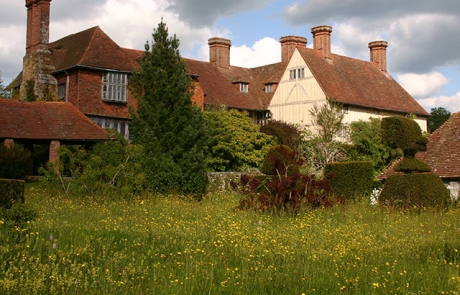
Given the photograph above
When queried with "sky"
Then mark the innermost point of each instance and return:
(423, 36)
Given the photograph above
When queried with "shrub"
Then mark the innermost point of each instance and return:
(280, 160)
(415, 190)
(11, 192)
(18, 215)
(285, 188)
(284, 133)
(110, 169)
(403, 133)
(15, 161)
(351, 179)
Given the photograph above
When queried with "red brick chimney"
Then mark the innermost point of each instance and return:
(38, 20)
(289, 44)
(38, 63)
(219, 52)
(322, 40)
(378, 50)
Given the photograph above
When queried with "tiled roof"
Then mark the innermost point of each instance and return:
(443, 150)
(46, 120)
(356, 82)
(90, 48)
(343, 79)
(220, 89)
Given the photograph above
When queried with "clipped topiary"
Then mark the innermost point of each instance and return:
(351, 179)
(416, 187)
(280, 160)
(415, 190)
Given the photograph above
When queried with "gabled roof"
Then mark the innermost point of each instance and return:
(443, 150)
(220, 89)
(45, 121)
(355, 82)
(90, 48)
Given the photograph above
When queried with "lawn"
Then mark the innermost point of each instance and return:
(168, 245)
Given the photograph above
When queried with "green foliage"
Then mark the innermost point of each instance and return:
(15, 161)
(18, 215)
(11, 192)
(169, 127)
(368, 145)
(284, 189)
(111, 169)
(438, 117)
(329, 119)
(236, 143)
(351, 180)
(414, 190)
(285, 133)
(30, 93)
(411, 164)
(320, 146)
(4, 92)
(280, 160)
(403, 133)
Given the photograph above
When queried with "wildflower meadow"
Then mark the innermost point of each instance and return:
(172, 245)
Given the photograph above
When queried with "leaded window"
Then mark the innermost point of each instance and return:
(114, 86)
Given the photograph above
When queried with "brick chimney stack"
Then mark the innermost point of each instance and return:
(289, 44)
(378, 51)
(38, 20)
(219, 52)
(322, 40)
(38, 63)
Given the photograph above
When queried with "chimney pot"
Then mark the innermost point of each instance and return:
(378, 53)
(289, 44)
(219, 52)
(322, 40)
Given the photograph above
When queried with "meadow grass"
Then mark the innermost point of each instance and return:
(169, 245)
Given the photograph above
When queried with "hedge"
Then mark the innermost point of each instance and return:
(350, 179)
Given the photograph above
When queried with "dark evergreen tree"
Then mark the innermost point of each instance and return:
(438, 117)
(167, 124)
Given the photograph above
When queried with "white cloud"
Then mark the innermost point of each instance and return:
(452, 103)
(423, 85)
(265, 51)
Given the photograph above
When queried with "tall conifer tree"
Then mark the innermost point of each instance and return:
(167, 124)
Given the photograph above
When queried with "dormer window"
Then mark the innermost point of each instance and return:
(114, 87)
(269, 87)
(244, 87)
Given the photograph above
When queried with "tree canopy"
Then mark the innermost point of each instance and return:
(438, 117)
(167, 124)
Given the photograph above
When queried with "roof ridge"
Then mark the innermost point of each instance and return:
(445, 123)
(83, 56)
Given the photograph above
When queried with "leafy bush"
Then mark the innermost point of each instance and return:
(367, 145)
(280, 160)
(111, 169)
(15, 161)
(236, 143)
(285, 189)
(11, 192)
(415, 190)
(284, 133)
(351, 179)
